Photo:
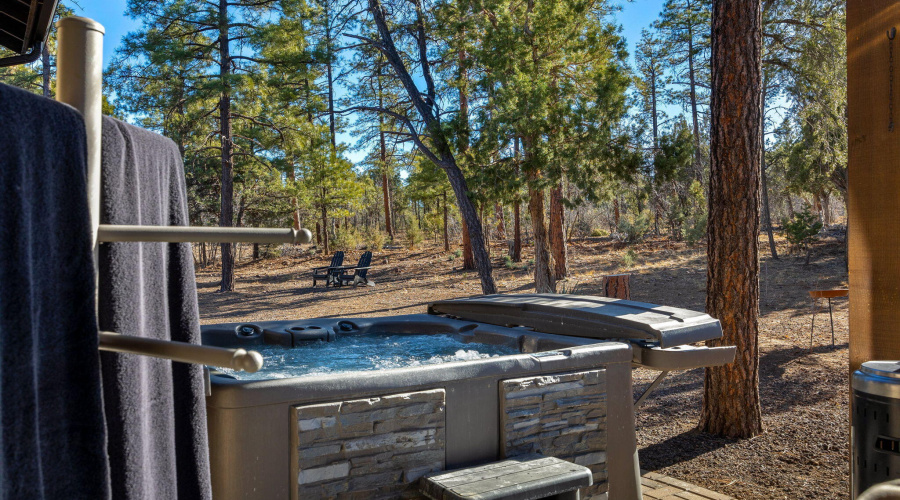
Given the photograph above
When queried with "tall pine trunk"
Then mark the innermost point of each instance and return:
(226, 208)
(557, 235)
(324, 215)
(295, 207)
(516, 250)
(446, 235)
(543, 278)
(544, 281)
(386, 191)
(329, 54)
(693, 93)
(731, 393)
(767, 211)
(501, 226)
(517, 232)
(388, 219)
(468, 253)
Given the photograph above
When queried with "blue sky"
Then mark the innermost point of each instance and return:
(634, 16)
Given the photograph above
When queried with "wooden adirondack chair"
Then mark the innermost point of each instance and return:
(331, 272)
(358, 276)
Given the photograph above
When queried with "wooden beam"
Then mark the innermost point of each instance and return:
(874, 180)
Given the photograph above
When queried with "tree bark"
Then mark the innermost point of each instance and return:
(616, 214)
(324, 215)
(517, 232)
(693, 94)
(388, 220)
(653, 105)
(330, 79)
(501, 226)
(543, 278)
(468, 254)
(767, 211)
(557, 235)
(731, 393)
(226, 208)
(516, 250)
(446, 234)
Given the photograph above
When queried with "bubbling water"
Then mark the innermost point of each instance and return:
(370, 352)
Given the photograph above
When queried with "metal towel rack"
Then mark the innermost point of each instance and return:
(182, 234)
(236, 359)
(79, 84)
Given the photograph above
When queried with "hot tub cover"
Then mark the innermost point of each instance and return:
(586, 316)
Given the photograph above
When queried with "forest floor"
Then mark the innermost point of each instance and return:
(804, 392)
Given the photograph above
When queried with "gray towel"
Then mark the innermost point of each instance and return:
(51, 419)
(155, 409)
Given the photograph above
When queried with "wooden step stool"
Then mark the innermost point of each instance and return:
(525, 477)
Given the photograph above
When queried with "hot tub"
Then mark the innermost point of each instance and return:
(373, 434)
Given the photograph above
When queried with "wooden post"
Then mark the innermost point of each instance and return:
(874, 179)
(617, 286)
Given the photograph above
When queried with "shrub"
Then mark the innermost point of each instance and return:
(599, 233)
(345, 239)
(566, 286)
(629, 258)
(634, 227)
(455, 255)
(802, 230)
(375, 240)
(414, 235)
(511, 264)
(695, 229)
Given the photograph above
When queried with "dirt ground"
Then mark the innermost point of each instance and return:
(804, 392)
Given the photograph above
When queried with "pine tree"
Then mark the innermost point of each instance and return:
(684, 30)
(554, 76)
(210, 51)
(731, 404)
(433, 140)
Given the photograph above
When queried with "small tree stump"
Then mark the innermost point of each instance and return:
(617, 286)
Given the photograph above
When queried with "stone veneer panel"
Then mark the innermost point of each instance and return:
(368, 448)
(561, 416)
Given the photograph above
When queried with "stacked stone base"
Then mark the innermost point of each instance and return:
(379, 447)
(561, 416)
(369, 448)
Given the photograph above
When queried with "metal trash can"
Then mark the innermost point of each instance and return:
(875, 425)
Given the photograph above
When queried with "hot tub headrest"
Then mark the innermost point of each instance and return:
(586, 316)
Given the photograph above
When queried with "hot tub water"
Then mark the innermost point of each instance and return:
(349, 353)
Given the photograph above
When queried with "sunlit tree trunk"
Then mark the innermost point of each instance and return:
(543, 277)
(557, 235)
(731, 393)
(446, 235)
(226, 209)
(388, 219)
(501, 226)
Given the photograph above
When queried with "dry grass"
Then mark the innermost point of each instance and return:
(804, 392)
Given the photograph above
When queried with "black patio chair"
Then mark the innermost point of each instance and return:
(331, 272)
(360, 270)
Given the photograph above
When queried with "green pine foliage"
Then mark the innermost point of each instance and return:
(802, 230)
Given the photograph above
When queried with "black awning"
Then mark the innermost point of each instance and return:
(24, 25)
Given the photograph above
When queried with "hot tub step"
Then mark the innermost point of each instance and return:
(526, 477)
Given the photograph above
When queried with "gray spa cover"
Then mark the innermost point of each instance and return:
(586, 316)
